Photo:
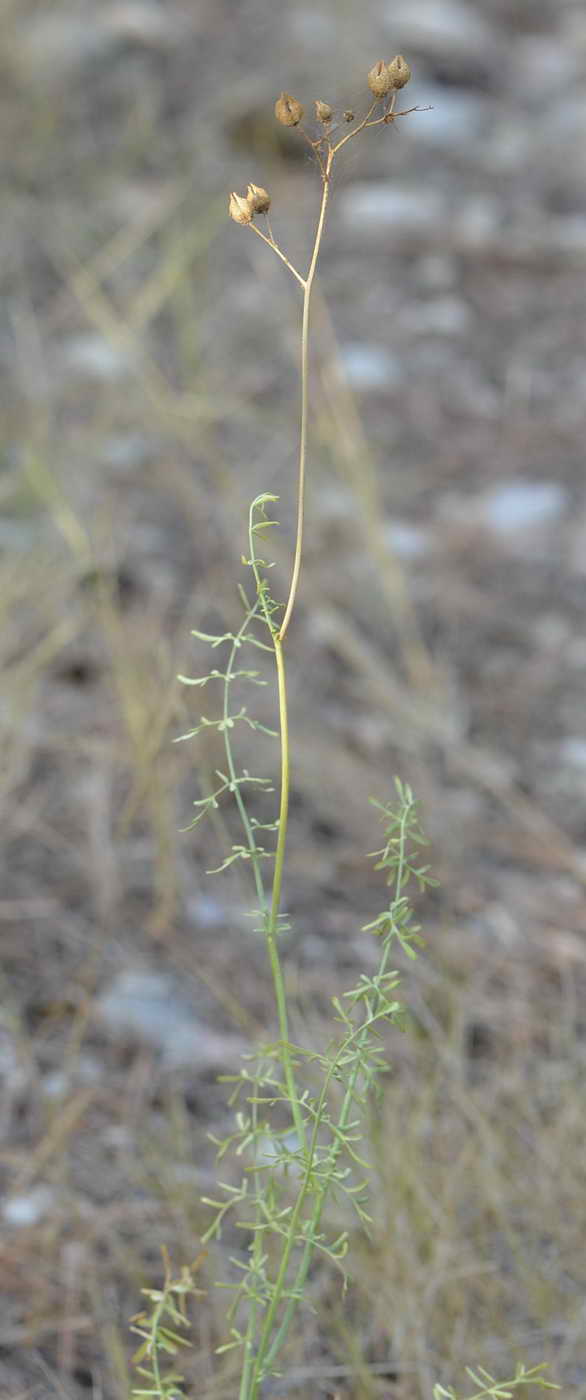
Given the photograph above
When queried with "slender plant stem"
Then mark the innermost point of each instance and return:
(356, 129)
(270, 242)
(305, 394)
(252, 1370)
(248, 1361)
(285, 766)
(272, 932)
(272, 916)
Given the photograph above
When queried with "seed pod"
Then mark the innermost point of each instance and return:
(399, 72)
(288, 110)
(258, 200)
(379, 79)
(349, 115)
(323, 112)
(239, 209)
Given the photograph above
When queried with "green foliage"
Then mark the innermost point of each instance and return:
(161, 1340)
(291, 1171)
(491, 1389)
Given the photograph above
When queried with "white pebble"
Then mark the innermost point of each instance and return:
(369, 366)
(28, 1208)
(519, 505)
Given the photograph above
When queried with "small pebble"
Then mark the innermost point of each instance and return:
(29, 1208)
(522, 505)
(369, 366)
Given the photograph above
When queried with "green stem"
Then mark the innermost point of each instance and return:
(248, 1381)
(272, 921)
(285, 770)
(248, 1363)
(267, 1358)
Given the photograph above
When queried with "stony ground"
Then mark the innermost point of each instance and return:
(149, 352)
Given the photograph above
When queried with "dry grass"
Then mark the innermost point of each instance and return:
(123, 491)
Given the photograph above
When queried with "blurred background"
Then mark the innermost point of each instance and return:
(149, 357)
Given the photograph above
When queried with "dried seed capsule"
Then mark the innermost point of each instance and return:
(349, 115)
(399, 72)
(323, 112)
(379, 79)
(239, 209)
(258, 200)
(288, 110)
